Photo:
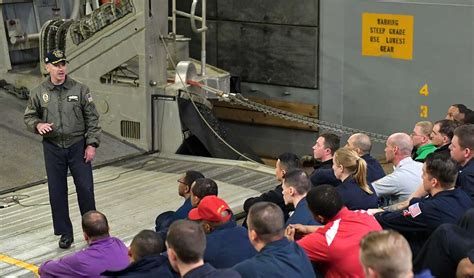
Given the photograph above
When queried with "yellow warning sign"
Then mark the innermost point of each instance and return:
(387, 35)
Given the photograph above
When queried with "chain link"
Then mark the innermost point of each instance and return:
(289, 116)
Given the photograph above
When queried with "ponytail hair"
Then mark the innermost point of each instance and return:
(356, 166)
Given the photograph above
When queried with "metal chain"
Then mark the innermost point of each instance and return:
(289, 116)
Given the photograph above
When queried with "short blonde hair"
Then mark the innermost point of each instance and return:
(387, 252)
(426, 127)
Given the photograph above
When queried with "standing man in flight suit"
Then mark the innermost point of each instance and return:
(63, 112)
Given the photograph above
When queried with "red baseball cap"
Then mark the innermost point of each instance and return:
(212, 209)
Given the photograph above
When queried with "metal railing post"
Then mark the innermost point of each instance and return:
(193, 18)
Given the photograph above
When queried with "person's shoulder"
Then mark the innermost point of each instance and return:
(226, 273)
(72, 83)
(115, 244)
(361, 215)
(208, 270)
(469, 168)
(247, 266)
(462, 196)
(40, 88)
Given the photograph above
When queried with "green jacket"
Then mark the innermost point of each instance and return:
(71, 110)
(424, 151)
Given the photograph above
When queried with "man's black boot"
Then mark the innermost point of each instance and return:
(65, 241)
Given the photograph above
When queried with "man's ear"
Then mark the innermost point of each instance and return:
(446, 139)
(291, 190)
(467, 152)
(171, 254)
(86, 237)
(320, 219)
(371, 273)
(130, 256)
(253, 235)
(206, 227)
(434, 182)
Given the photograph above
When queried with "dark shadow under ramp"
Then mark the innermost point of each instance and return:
(21, 155)
(203, 142)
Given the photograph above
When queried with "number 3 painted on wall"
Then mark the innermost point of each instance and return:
(424, 111)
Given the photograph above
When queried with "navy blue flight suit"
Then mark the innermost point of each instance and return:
(228, 245)
(425, 215)
(279, 258)
(354, 197)
(465, 179)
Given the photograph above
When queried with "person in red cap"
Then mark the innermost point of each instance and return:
(227, 243)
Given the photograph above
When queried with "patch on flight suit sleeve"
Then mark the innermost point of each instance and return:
(414, 210)
(89, 97)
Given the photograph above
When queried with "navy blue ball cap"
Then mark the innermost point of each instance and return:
(55, 56)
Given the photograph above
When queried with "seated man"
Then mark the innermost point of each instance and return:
(201, 188)
(104, 252)
(456, 112)
(442, 134)
(406, 176)
(165, 219)
(146, 259)
(277, 257)
(387, 254)
(334, 248)
(285, 162)
(361, 143)
(447, 246)
(445, 204)
(227, 243)
(295, 187)
(186, 242)
(421, 140)
(324, 149)
(462, 151)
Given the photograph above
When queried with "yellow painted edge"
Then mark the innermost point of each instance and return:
(9, 260)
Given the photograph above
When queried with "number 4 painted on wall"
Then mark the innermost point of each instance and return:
(424, 90)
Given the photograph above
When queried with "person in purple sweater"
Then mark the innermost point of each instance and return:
(103, 253)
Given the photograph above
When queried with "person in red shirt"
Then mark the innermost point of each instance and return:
(334, 247)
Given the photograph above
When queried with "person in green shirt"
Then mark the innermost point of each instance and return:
(421, 140)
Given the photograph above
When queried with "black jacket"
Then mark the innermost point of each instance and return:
(273, 196)
(148, 266)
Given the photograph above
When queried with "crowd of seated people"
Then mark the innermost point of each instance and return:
(345, 219)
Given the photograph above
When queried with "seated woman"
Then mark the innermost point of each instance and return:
(355, 191)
